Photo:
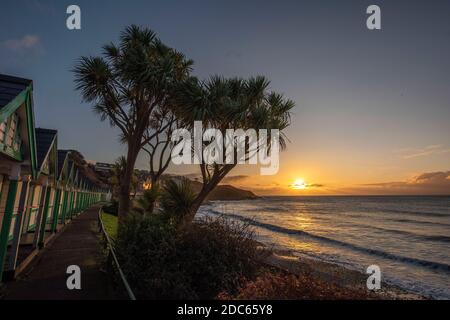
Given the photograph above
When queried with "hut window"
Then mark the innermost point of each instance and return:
(3, 127)
(17, 140)
(10, 132)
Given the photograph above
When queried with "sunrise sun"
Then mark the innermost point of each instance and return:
(299, 184)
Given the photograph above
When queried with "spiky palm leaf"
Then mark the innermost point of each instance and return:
(234, 103)
(176, 199)
(140, 71)
(146, 203)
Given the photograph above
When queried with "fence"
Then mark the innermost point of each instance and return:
(112, 258)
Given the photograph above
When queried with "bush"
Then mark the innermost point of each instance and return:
(176, 200)
(145, 204)
(112, 208)
(146, 248)
(285, 286)
(162, 261)
(220, 253)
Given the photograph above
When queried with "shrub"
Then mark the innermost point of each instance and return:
(162, 261)
(147, 250)
(285, 286)
(112, 208)
(176, 200)
(146, 203)
(220, 253)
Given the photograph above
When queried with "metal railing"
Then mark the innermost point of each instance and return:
(112, 254)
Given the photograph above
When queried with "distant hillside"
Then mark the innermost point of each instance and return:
(225, 192)
(86, 168)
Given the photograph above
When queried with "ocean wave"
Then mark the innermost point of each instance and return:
(268, 209)
(418, 236)
(417, 213)
(415, 261)
(368, 213)
(438, 238)
(431, 223)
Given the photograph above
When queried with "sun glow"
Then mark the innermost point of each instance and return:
(299, 184)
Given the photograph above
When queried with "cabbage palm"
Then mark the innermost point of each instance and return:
(127, 86)
(146, 203)
(230, 104)
(177, 198)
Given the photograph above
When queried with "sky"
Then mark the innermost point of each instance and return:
(372, 106)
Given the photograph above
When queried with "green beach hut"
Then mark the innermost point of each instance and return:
(18, 162)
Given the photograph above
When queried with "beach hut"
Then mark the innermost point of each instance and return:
(41, 187)
(73, 178)
(47, 161)
(31, 230)
(62, 189)
(18, 163)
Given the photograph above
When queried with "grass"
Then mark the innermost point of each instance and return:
(110, 223)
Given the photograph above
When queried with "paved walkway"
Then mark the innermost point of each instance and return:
(46, 276)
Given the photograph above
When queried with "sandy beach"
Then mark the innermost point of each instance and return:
(407, 237)
(347, 280)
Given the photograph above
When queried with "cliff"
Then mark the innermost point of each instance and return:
(226, 192)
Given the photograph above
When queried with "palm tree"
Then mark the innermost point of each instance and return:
(146, 203)
(177, 198)
(128, 85)
(230, 104)
(116, 175)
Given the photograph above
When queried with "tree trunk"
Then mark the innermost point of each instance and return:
(154, 181)
(125, 184)
(124, 198)
(201, 197)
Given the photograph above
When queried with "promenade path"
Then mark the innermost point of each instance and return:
(78, 244)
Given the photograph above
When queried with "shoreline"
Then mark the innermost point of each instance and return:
(406, 274)
(327, 272)
(348, 281)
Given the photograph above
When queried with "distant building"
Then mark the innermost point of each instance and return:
(103, 167)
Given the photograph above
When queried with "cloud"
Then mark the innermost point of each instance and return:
(25, 44)
(232, 179)
(315, 185)
(20, 53)
(411, 153)
(425, 183)
(433, 178)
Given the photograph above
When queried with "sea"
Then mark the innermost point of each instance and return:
(408, 237)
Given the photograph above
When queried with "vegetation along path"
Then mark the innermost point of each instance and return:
(77, 245)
